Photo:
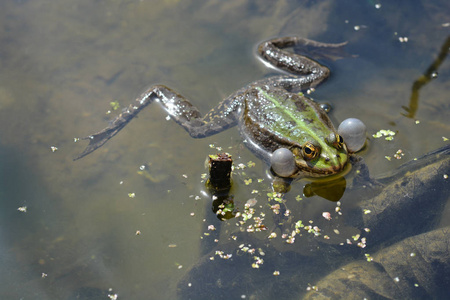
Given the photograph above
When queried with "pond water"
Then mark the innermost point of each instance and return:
(96, 228)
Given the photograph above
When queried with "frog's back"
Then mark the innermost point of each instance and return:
(276, 118)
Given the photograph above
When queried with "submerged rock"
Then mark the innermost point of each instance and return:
(415, 268)
(399, 215)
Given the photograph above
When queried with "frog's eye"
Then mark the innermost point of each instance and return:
(339, 141)
(310, 151)
(335, 140)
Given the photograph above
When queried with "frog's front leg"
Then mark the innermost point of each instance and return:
(272, 51)
(178, 108)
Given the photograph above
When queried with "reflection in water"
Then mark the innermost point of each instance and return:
(430, 73)
(330, 190)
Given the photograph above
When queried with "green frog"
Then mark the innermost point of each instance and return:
(271, 113)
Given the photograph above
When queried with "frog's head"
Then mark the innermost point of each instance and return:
(312, 159)
(316, 159)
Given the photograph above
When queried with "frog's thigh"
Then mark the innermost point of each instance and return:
(182, 111)
(289, 83)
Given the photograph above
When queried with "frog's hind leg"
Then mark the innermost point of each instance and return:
(188, 116)
(272, 52)
(179, 109)
(98, 139)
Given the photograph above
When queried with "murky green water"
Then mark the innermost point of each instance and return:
(62, 63)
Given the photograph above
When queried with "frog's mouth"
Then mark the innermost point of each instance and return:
(313, 169)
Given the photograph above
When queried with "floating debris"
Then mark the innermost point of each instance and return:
(258, 261)
(368, 257)
(399, 154)
(327, 215)
(312, 287)
(272, 235)
(313, 229)
(113, 297)
(275, 208)
(114, 105)
(241, 166)
(290, 240)
(362, 243)
(389, 134)
(278, 197)
(222, 255)
(299, 224)
(251, 164)
(22, 209)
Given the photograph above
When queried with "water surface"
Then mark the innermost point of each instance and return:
(96, 224)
